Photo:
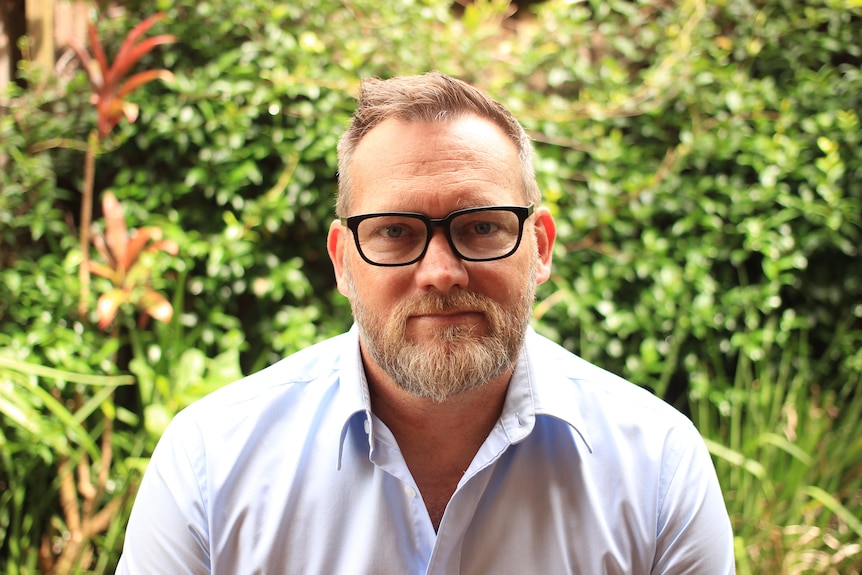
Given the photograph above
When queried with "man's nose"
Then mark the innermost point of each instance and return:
(440, 268)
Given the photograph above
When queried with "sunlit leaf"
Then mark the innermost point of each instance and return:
(157, 306)
(14, 413)
(99, 399)
(130, 110)
(65, 375)
(142, 78)
(190, 369)
(787, 446)
(102, 270)
(168, 246)
(108, 304)
(156, 419)
(735, 458)
(139, 239)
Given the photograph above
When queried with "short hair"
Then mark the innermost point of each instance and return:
(432, 97)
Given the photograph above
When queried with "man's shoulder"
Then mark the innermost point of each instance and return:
(594, 391)
(310, 371)
(315, 361)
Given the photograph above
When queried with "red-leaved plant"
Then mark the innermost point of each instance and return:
(129, 273)
(108, 81)
(111, 86)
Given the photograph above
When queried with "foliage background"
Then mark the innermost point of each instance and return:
(703, 161)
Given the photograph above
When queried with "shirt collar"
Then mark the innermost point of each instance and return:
(551, 381)
(539, 387)
(353, 399)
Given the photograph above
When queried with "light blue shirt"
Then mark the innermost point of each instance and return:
(288, 472)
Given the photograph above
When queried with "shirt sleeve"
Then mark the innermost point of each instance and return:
(693, 531)
(168, 529)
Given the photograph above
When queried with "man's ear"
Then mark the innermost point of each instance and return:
(335, 244)
(546, 234)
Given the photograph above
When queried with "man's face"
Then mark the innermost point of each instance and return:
(442, 325)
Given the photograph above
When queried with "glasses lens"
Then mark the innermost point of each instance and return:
(392, 239)
(485, 234)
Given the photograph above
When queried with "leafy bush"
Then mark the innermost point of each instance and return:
(703, 163)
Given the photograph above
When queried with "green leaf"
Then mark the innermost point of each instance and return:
(735, 458)
(782, 443)
(835, 506)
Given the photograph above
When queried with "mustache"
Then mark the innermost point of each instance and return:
(436, 302)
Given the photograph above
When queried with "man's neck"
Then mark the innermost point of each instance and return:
(438, 440)
(464, 419)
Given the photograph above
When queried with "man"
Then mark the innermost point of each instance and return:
(441, 434)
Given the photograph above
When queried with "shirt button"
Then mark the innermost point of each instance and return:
(411, 493)
(367, 427)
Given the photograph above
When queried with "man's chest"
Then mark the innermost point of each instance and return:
(520, 513)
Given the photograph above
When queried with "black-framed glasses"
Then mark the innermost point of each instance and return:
(475, 234)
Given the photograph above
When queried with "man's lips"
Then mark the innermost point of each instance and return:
(448, 312)
(445, 313)
(448, 316)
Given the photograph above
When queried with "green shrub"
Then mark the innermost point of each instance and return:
(703, 163)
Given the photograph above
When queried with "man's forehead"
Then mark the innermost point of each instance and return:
(470, 152)
(468, 129)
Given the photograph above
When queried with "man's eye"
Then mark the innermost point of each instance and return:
(393, 231)
(479, 229)
(485, 228)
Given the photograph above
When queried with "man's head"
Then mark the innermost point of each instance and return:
(450, 318)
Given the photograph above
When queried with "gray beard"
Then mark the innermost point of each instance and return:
(457, 359)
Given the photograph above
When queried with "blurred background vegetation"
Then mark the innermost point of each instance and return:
(702, 159)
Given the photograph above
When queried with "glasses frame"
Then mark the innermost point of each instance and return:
(523, 212)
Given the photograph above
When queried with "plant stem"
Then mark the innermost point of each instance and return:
(87, 219)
